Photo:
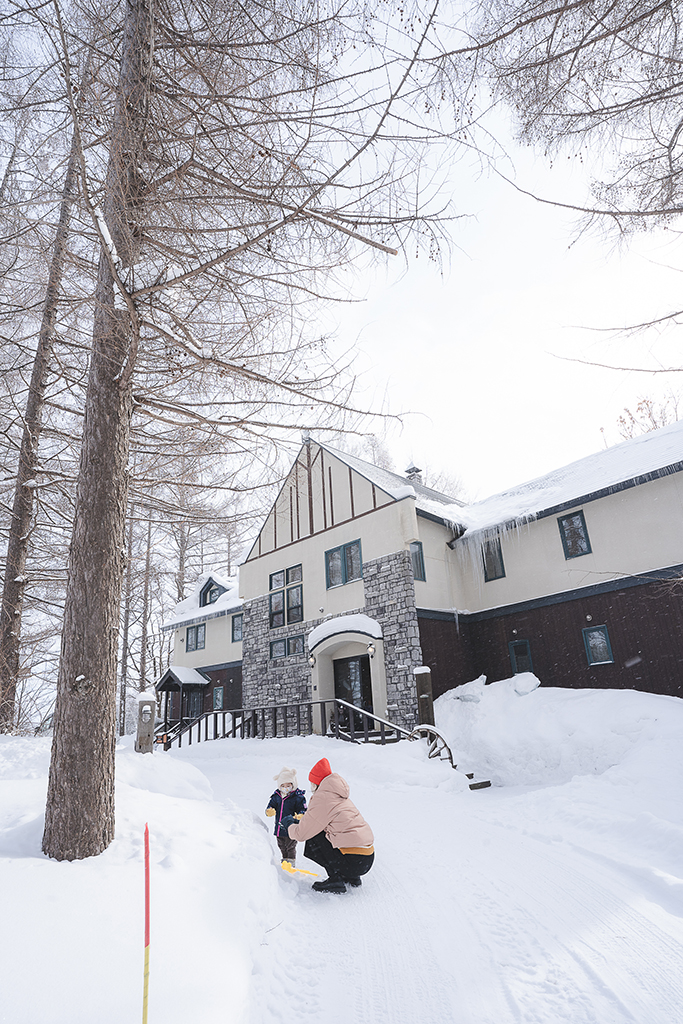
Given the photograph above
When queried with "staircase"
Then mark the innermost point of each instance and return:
(335, 718)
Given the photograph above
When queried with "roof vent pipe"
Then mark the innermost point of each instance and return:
(414, 474)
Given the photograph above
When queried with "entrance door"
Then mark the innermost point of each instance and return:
(352, 683)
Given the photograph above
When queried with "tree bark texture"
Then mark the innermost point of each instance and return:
(23, 504)
(79, 819)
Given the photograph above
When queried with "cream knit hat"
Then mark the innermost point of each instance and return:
(287, 775)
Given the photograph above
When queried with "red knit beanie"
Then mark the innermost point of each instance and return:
(320, 771)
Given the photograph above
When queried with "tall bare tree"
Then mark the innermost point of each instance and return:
(241, 157)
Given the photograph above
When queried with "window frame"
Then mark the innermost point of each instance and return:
(342, 549)
(290, 642)
(605, 634)
(488, 544)
(513, 657)
(290, 579)
(417, 558)
(274, 576)
(282, 590)
(218, 701)
(194, 632)
(276, 643)
(273, 612)
(295, 612)
(561, 520)
(285, 643)
(238, 617)
(209, 587)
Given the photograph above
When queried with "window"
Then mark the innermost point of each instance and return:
(195, 639)
(277, 579)
(294, 574)
(295, 645)
(494, 569)
(598, 648)
(286, 596)
(277, 609)
(574, 535)
(278, 649)
(520, 656)
(417, 558)
(295, 604)
(282, 648)
(343, 564)
(218, 698)
(236, 628)
(210, 593)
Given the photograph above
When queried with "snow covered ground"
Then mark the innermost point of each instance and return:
(555, 896)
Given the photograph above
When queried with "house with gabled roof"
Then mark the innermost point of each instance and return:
(359, 575)
(333, 581)
(205, 673)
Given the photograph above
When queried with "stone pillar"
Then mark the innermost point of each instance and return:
(390, 599)
(144, 740)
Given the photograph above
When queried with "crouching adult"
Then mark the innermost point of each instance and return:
(336, 834)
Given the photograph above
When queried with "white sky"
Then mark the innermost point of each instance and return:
(473, 354)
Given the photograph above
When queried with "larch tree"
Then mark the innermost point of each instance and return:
(592, 75)
(239, 159)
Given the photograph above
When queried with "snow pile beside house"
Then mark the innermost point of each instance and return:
(518, 734)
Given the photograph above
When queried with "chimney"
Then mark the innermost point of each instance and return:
(414, 474)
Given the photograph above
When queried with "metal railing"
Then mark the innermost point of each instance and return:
(336, 717)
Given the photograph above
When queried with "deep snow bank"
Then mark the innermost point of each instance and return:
(518, 733)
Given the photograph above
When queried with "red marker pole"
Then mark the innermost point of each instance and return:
(146, 983)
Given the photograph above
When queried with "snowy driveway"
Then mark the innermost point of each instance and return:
(489, 907)
(555, 897)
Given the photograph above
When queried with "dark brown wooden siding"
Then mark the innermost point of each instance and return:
(231, 680)
(644, 623)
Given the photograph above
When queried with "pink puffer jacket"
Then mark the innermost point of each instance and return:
(330, 811)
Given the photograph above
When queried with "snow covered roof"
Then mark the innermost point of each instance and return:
(394, 484)
(189, 610)
(181, 676)
(344, 624)
(625, 465)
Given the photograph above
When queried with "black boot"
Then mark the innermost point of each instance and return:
(330, 885)
(354, 882)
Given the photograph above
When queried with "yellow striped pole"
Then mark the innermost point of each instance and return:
(146, 982)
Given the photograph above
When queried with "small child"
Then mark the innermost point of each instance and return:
(286, 800)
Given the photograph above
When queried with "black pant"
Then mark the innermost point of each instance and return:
(339, 866)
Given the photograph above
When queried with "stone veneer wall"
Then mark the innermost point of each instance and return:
(284, 680)
(389, 598)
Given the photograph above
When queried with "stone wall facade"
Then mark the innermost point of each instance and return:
(389, 598)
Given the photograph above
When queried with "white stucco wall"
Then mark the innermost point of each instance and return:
(630, 532)
(440, 589)
(218, 650)
(380, 532)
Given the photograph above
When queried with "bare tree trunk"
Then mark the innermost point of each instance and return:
(182, 538)
(22, 509)
(145, 611)
(79, 820)
(128, 593)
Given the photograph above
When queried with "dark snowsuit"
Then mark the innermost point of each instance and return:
(293, 803)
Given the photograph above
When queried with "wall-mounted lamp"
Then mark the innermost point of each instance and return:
(371, 650)
(311, 660)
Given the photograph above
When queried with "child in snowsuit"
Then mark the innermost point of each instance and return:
(286, 802)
